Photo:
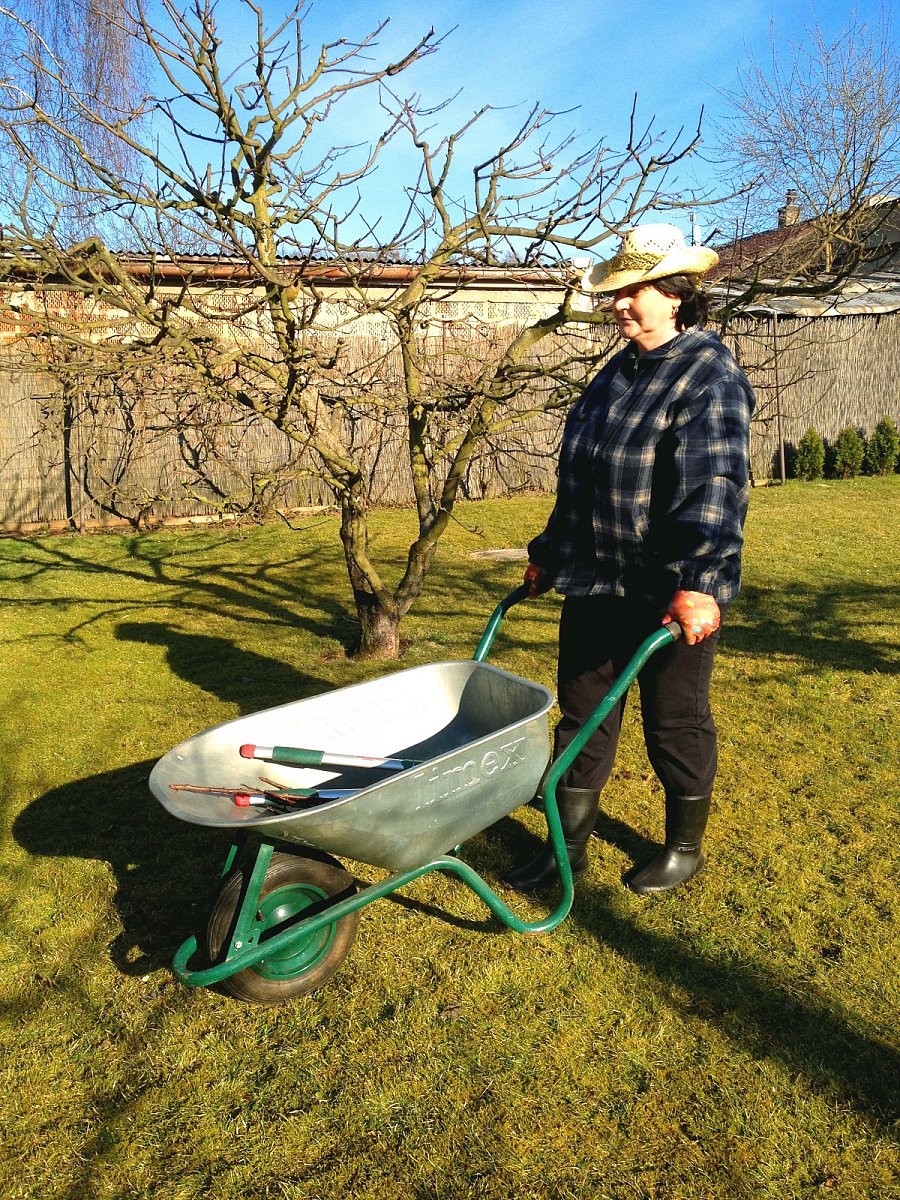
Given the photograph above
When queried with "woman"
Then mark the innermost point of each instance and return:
(647, 528)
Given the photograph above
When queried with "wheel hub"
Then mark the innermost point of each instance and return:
(282, 905)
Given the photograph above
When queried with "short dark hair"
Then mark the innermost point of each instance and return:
(694, 308)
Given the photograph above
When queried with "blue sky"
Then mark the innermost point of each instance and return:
(588, 55)
(583, 58)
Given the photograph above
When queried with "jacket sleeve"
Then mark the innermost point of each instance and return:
(709, 463)
(541, 548)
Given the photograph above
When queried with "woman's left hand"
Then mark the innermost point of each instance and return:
(696, 612)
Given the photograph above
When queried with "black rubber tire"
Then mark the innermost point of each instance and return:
(292, 883)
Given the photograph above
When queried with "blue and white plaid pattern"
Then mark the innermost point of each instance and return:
(653, 476)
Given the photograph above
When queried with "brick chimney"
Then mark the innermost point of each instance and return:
(790, 214)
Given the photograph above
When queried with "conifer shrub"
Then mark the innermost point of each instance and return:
(809, 457)
(882, 449)
(846, 454)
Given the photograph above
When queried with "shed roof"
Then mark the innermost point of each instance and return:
(870, 295)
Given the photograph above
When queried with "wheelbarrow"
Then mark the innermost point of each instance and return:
(397, 773)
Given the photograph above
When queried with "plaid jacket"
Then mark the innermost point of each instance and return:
(653, 475)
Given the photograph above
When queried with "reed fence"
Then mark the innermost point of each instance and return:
(826, 373)
(75, 451)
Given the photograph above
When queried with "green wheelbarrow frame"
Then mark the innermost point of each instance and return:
(251, 939)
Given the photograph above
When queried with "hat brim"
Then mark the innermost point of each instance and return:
(610, 277)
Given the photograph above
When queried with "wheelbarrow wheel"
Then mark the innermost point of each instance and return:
(292, 884)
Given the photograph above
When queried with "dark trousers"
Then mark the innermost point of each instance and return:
(597, 637)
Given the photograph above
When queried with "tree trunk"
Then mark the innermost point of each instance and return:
(379, 628)
(377, 609)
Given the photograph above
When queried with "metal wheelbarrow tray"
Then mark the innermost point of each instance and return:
(480, 733)
(477, 741)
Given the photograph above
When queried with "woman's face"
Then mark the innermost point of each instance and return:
(645, 315)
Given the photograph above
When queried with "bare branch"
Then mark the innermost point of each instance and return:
(229, 181)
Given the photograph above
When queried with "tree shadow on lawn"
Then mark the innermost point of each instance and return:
(244, 678)
(166, 870)
(286, 594)
(820, 626)
(767, 1015)
(249, 591)
(826, 626)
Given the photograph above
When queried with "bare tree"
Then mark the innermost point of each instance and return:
(818, 123)
(237, 165)
(89, 39)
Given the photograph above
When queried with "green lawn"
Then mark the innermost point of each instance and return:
(734, 1039)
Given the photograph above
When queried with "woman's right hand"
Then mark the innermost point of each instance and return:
(535, 580)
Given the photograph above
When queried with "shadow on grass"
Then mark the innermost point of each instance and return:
(270, 593)
(766, 1015)
(490, 853)
(285, 594)
(167, 874)
(821, 626)
(504, 845)
(244, 678)
(165, 870)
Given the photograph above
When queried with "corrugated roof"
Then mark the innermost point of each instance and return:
(870, 295)
(223, 268)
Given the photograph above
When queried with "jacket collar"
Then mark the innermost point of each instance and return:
(682, 342)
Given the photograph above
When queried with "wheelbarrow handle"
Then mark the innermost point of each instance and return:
(522, 592)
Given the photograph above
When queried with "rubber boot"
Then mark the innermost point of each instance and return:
(578, 808)
(682, 857)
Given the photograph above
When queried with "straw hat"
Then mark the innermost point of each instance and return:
(648, 252)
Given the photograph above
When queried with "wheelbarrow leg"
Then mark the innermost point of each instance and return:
(256, 858)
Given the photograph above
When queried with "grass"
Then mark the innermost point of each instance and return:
(734, 1039)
